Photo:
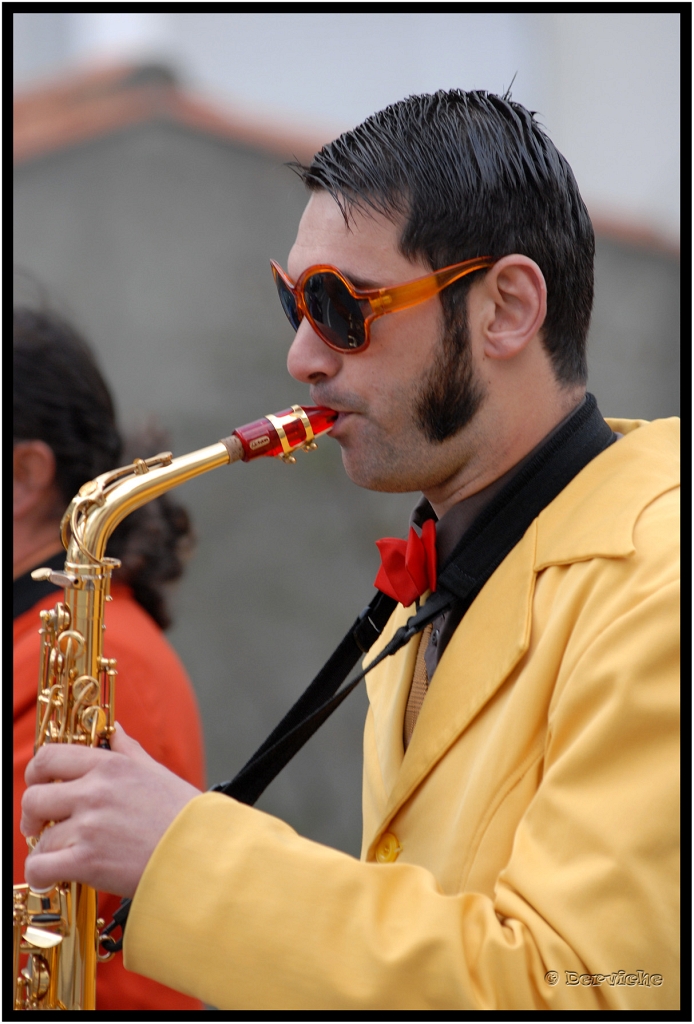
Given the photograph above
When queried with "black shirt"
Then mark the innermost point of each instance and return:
(451, 527)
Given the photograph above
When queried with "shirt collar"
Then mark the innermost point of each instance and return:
(457, 520)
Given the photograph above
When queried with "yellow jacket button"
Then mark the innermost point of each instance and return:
(388, 848)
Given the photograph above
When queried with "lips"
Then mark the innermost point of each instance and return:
(320, 394)
(339, 422)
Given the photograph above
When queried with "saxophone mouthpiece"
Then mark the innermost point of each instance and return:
(283, 432)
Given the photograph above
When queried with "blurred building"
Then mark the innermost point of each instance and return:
(605, 83)
(149, 218)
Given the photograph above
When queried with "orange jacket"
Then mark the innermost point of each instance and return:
(156, 705)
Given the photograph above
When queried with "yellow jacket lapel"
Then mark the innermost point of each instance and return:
(484, 650)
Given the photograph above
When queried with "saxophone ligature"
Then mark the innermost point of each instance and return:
(56, 932)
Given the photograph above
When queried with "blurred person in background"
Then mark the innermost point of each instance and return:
(65, 433)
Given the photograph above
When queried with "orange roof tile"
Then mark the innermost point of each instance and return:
(91, 104)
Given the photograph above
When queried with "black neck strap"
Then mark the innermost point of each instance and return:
(487, 542)
(490, 538)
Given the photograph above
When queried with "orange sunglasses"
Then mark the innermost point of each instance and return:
(341, 314)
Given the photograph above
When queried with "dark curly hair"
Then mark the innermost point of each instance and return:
(61, 398)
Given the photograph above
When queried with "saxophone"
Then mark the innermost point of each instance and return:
(56, 936)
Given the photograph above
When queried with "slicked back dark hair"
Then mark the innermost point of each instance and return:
(473, 174)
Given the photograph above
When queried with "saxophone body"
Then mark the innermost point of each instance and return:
(56, 932)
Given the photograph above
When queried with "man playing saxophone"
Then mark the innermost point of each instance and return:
(520, 758)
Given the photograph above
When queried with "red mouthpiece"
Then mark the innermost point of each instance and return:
(283, 432)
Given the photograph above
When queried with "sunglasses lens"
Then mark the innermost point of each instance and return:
(288, 302)
(335, 311)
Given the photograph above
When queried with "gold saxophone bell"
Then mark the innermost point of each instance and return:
(56, 932)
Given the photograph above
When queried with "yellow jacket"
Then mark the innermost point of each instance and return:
(530, 828)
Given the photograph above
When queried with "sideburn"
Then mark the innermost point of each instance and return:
(450, 394)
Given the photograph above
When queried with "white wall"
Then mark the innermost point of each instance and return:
(606, 85)
(613, 109)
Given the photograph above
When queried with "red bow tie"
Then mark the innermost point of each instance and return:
(408, 568)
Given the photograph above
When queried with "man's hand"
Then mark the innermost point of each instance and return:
(110, 808)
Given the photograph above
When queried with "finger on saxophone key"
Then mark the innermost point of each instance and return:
(111, 810)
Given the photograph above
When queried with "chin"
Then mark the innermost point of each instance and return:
(374, 475)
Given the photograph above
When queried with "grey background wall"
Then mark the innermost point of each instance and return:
(156, 242)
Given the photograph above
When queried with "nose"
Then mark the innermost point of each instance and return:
(310, 359)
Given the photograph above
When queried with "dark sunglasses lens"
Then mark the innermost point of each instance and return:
(288, 303)
(338, 313)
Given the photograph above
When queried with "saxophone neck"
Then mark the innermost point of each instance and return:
(101, 504)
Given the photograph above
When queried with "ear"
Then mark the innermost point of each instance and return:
(515, 306)
(33, 476)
